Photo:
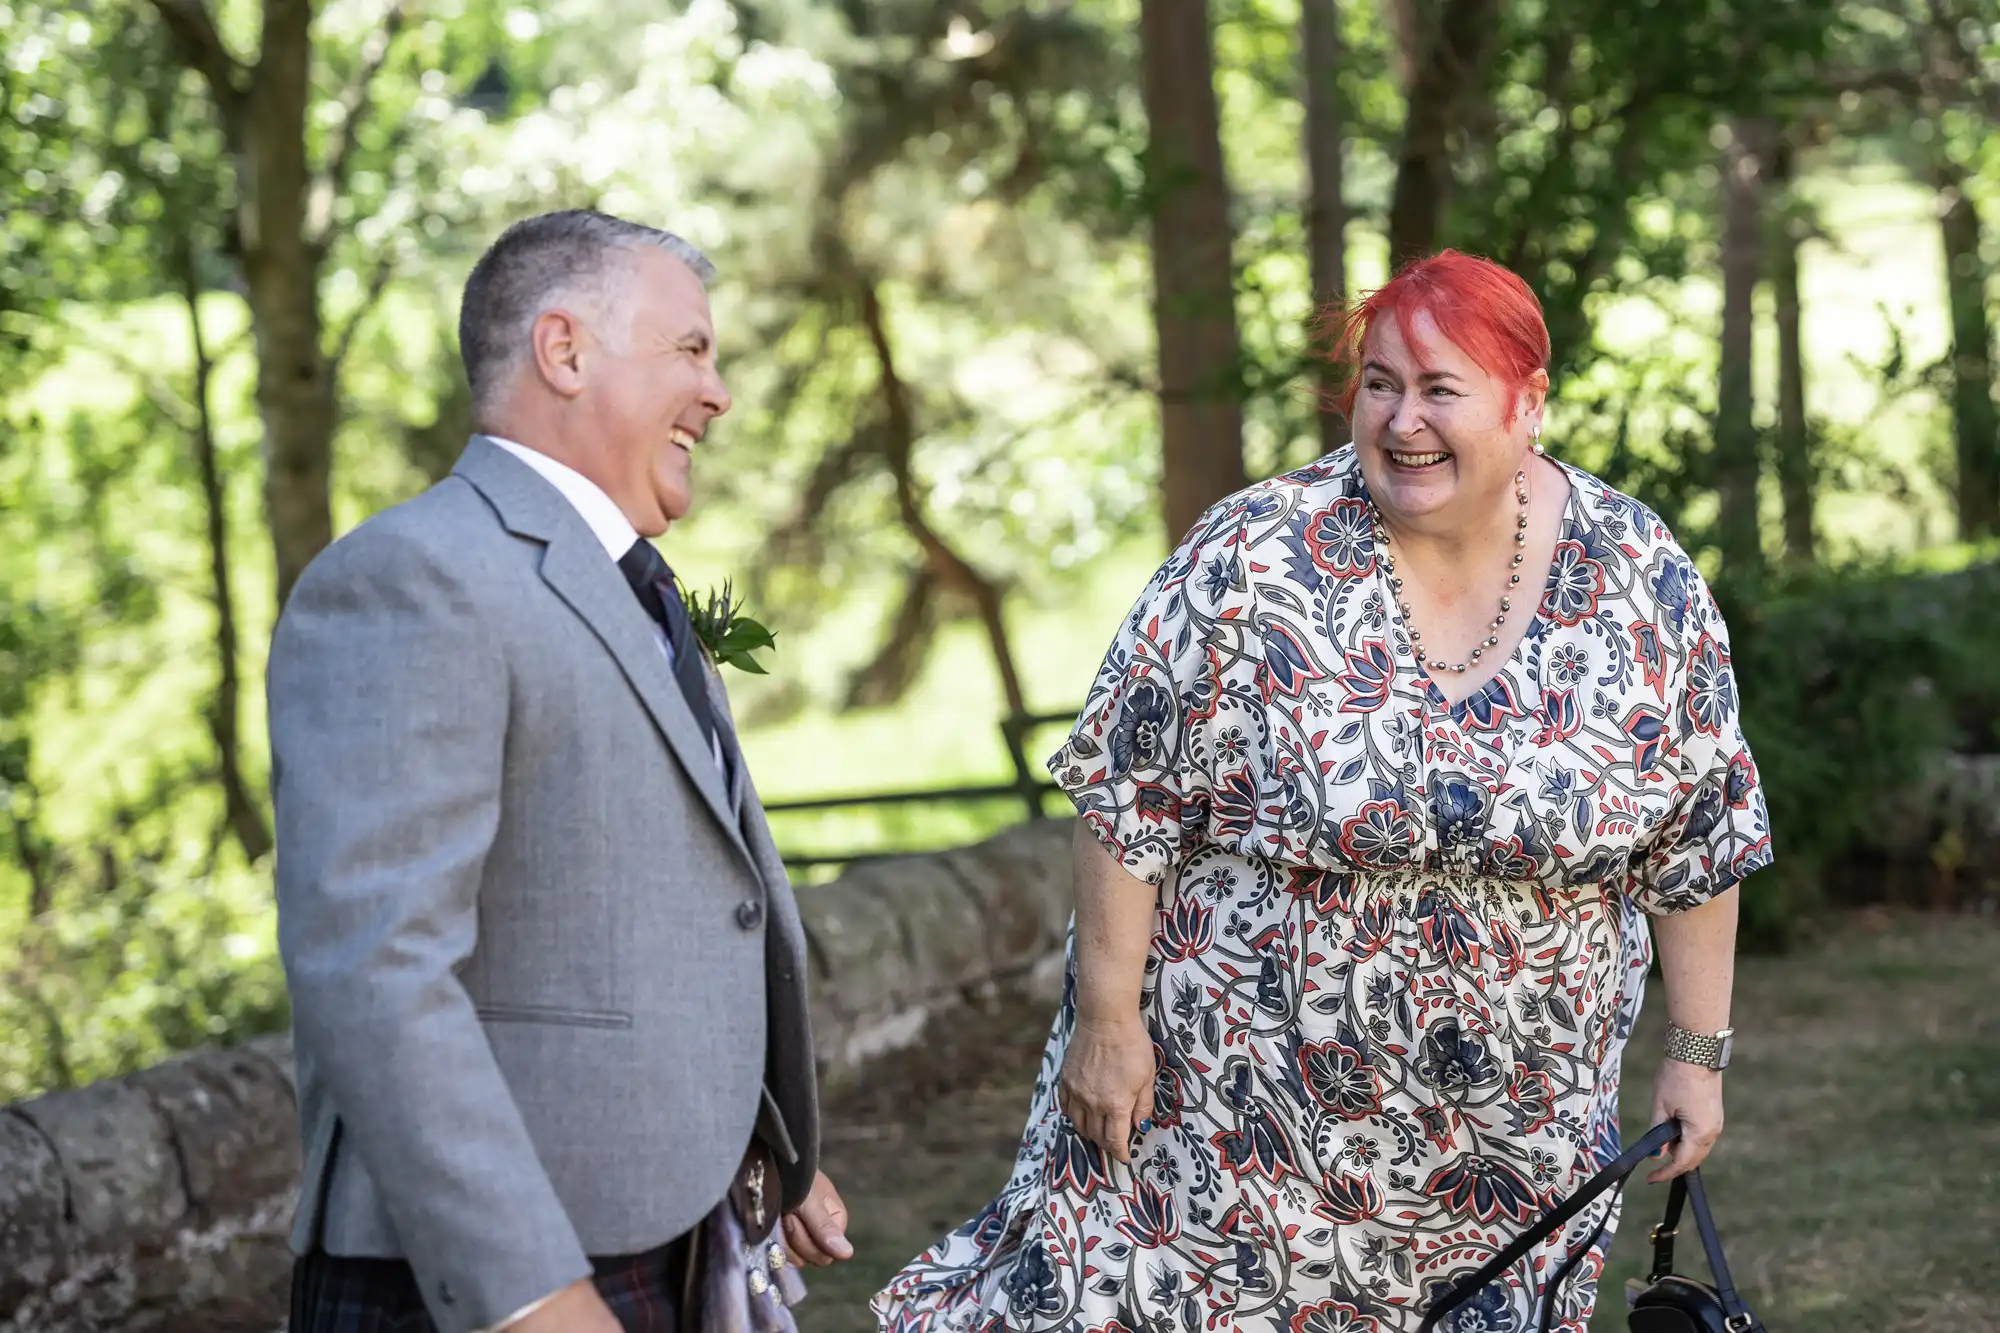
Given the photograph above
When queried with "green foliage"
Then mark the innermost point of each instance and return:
(1852, 683)
(732, 638)
(978, 170)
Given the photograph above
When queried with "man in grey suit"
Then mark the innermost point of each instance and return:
(547, 975)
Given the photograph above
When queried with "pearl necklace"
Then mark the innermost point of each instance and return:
(1506, 599)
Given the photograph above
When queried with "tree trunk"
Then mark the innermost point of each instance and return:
(240, 810)
(1452, 45)
(1736, 461)
(1975, 421)
(951, 570)
(1795, 464)
(263, 117)
(295, 390)
(1194, 310)
(1326, 207)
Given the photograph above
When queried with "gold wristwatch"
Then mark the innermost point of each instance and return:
(1700, 1048)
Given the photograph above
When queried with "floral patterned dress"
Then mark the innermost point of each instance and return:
(1399, 944)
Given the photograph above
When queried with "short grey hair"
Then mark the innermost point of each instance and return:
(537, 262)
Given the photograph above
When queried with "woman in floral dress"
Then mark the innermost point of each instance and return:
(1369, 843)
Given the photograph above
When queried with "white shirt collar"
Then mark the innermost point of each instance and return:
(607, 521)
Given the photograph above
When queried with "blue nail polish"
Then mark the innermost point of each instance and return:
(1146, 1125)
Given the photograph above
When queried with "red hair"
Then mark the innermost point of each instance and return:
(1482, 307)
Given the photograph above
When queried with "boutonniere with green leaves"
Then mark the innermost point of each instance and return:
(729, 637)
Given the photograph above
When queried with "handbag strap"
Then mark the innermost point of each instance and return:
(1553, 1221)
(1686, 1189)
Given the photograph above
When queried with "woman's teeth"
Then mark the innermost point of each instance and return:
(684, 438)
(1417, 460)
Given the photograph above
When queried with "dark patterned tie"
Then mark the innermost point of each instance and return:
(654, 584)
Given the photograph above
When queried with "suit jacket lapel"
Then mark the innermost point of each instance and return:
(575, 566)
(743, 795)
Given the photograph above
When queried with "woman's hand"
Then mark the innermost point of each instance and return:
(1692, 1095)
(1107, 1082)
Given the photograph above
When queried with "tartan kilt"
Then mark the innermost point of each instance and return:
(334, 1294)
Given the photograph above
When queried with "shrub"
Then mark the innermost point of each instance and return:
(1852, 685)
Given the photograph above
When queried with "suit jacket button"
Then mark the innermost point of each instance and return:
(446, 1296)
(749, 914)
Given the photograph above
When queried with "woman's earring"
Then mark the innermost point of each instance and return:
(1537, 433)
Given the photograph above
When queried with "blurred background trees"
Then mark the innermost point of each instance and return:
(1010, 293)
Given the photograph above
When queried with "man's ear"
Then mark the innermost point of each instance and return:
(558, 342)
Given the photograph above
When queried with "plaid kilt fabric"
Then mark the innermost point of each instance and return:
(332, 1294)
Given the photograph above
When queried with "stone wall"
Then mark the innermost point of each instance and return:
(159, 1203)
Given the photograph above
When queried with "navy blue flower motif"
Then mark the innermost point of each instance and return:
(1382, 836)
(1601, 867)
(1251, 1275)
(1450, 1061)
(1458, 809)
(1711, 689)
(1257, 1147)
(1558, 784)
(1135, 738)
(1510, 859)
(1367, 678)
(1489, 707)
(1372, 928)
(1331, 892)
(1484, 1188)
(987, 1229)
(1189, 930)
(1652, 658)
(1075, 1163)
(1217, 577)
(1342, 538)
(1648, 732)
(1672, 586)
(1233, 808)
(1704, 814)
(1150, 1218)
(1575, 583)
(1031, 1286)
(1448, 928)
(1568, 664)
(1741, 780)
(1288, 663)
(1340, 1078)
(1561, 717)
(1350, 1198)
(1489, 1311)
(1155, 804)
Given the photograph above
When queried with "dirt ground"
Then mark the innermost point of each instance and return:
(1857, 1186)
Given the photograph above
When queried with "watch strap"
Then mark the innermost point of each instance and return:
(1698, 1048)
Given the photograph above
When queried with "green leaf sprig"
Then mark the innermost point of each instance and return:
(731, 638)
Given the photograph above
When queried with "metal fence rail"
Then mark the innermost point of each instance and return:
(1028, 787)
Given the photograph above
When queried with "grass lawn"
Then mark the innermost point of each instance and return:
(1857, 1186)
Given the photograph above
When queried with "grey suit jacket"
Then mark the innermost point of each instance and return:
(546, 973)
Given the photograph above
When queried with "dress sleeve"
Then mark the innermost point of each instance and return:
(1719, 829)
(1132, 764)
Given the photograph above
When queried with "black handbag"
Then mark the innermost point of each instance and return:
(1665, 1302)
